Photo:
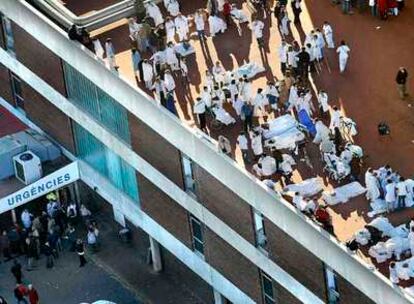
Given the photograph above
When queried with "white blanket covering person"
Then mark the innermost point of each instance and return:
(405, 268)
(343, 194)
(223, 116)
(280, 125)
(238, 14)
(362, 236)
(387, 229)
(306, 188)
(217, 25)
(249, 70)
(287, 140)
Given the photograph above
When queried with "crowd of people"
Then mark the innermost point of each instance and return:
(378, 8)
(227, 97)
(47, 234)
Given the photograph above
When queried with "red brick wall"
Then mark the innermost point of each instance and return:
(224, 203)
(164, 210)
(39, 59)
(283, 296)
(5, 85)
(296, 260)
(154, 149)
(232, 265)
(349, 294)
(49, 118)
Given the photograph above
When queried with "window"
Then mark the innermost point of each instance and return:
(261, 238)
(189, 182)
(17, 91)
(331, 286)
(198, 235)
(267, 289)
(8, 36)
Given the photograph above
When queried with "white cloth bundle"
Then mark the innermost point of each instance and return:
(249, 69)
(343, 194)
(223, 116)
(306, 188)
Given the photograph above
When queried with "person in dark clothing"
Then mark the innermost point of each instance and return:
(31, 252)
(303, 63)
(16, 270)
(338, 141)
(2, 300)
(247, 116)
(277, 155)
(80, 250)
(226, 12)
(5, 246)
(48, 252)
(74, 34)
(19, 293)
(401, 80)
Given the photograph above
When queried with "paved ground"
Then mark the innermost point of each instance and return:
(366, 92)
(121, 275)
(66, 283)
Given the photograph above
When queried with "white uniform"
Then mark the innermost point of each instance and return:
(154, 12)
(169, 82)
(171, 58)
(170, 29)
(148, 74)
(371, 184)
(199, 22)
(327, 29)
(323, 101)
(181, 25)
(257, 28)
(257, 144)
(343, 52)
(172, 6)
(335, 119)
(259, 104)
(99, 51)
(110, 55)
(216, 25)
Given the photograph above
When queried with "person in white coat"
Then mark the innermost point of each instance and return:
(390, 195)
(322, 132)
(217, 25)
(259, 103)
(257, 29)
(372, 185)
(343, 50)
(335, 118)
(284, 23)
(200, 24)
(172, 6)
(148, 73)
(97, 47)
(256, 142)
(328, 32)
(323, 102)
(110, 54)
(170, 29)
(181, 26)
(153, 11)
(171, 57)
(159, 90)
(169, 82)
(283, 49)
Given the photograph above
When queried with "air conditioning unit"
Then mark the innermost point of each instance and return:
(27, 167)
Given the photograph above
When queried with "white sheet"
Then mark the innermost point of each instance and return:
(179, 48)
(343, 194)
(286, 140)
(378, 206)
(249, 69)
(280, 125)
(306, 188)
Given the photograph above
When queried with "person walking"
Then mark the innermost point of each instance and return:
(19, 294)
(16, 270)
(401, 193)
(80, 250)
(401, 80)
(32, 294)
(343, 51)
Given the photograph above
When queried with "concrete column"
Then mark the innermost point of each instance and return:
(155, 255)
(218, 299)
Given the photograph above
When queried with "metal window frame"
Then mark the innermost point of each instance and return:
(194, 239)
(265, 296)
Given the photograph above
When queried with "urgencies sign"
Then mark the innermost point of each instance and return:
(53, 181)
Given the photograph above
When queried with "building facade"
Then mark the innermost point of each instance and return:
(245, 243)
